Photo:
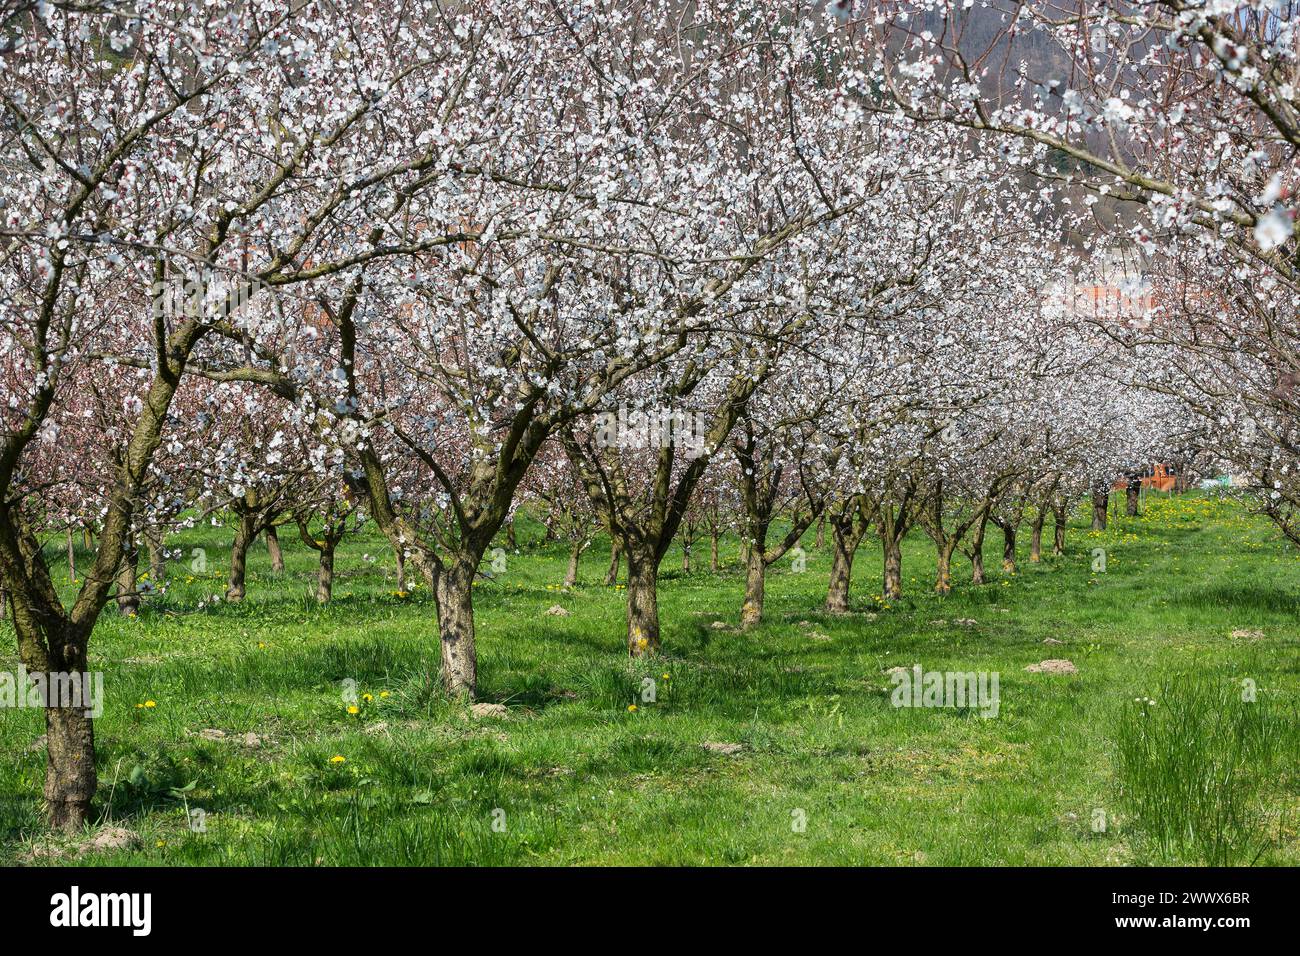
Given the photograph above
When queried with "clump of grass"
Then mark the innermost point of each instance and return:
(1194, 763)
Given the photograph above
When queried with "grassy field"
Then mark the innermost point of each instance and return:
(1075, 769)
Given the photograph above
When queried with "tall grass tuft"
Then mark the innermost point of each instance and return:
(1194, 763)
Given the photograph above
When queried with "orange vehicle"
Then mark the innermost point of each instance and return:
(1158, 478)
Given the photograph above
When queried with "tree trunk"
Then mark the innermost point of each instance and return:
(157, 557)
(687, 542)
(1009, 547)
(713, 550)
(893, 584)
(1132, 494)
(70, 778)
(455, 595)
(1036, 537)
(642, 602)
(128, 598)
(511, 542)
(1058, 530)
(401, 570)
(325, 574)
(244, 536)
(72, 559)
(821, 533)
(977, 552)
(837, 592)
(571, 574)
(943, 567)
(273, 548)
(615, 554)
(1100, 500)
(751, 612)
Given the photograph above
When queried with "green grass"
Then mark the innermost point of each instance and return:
(571, 775)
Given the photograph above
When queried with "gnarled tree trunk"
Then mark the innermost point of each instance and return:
(751, 612)
(1100, 501)
(1131, 495)
(845, 537)
(455, 595)
(128, 598)
(977, 552)
(273, 549)
(1008, 546)
(325, 574)
(157, 557)
(892, 589)
(245, 533)
(943, 566)
(642, 601)
(571, 573)
(615, 555)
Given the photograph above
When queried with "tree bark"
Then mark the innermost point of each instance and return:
(1036, 537)
(128, 598)
(845, 545)
(157, 557)
(72, 559)
(642, 601)
(1100, 500)
(977, 552)
(325, 574)
(401, 570)
(1131, 495)
(70, 778)
(1060, 520)
(751, 612)
(455, 596)
(244, 535)
(713, 550)
(1008, 546)
(943, 567)
(571, 574)
(615, 555)
(821, 533)
(892, 589)
(273, 548)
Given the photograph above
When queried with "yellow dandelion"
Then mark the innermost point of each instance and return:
(338, 759)
(367, 698)
(150, 703)
(353, 709)
(631, 708)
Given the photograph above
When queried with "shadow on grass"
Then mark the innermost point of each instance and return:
(1245, 597)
